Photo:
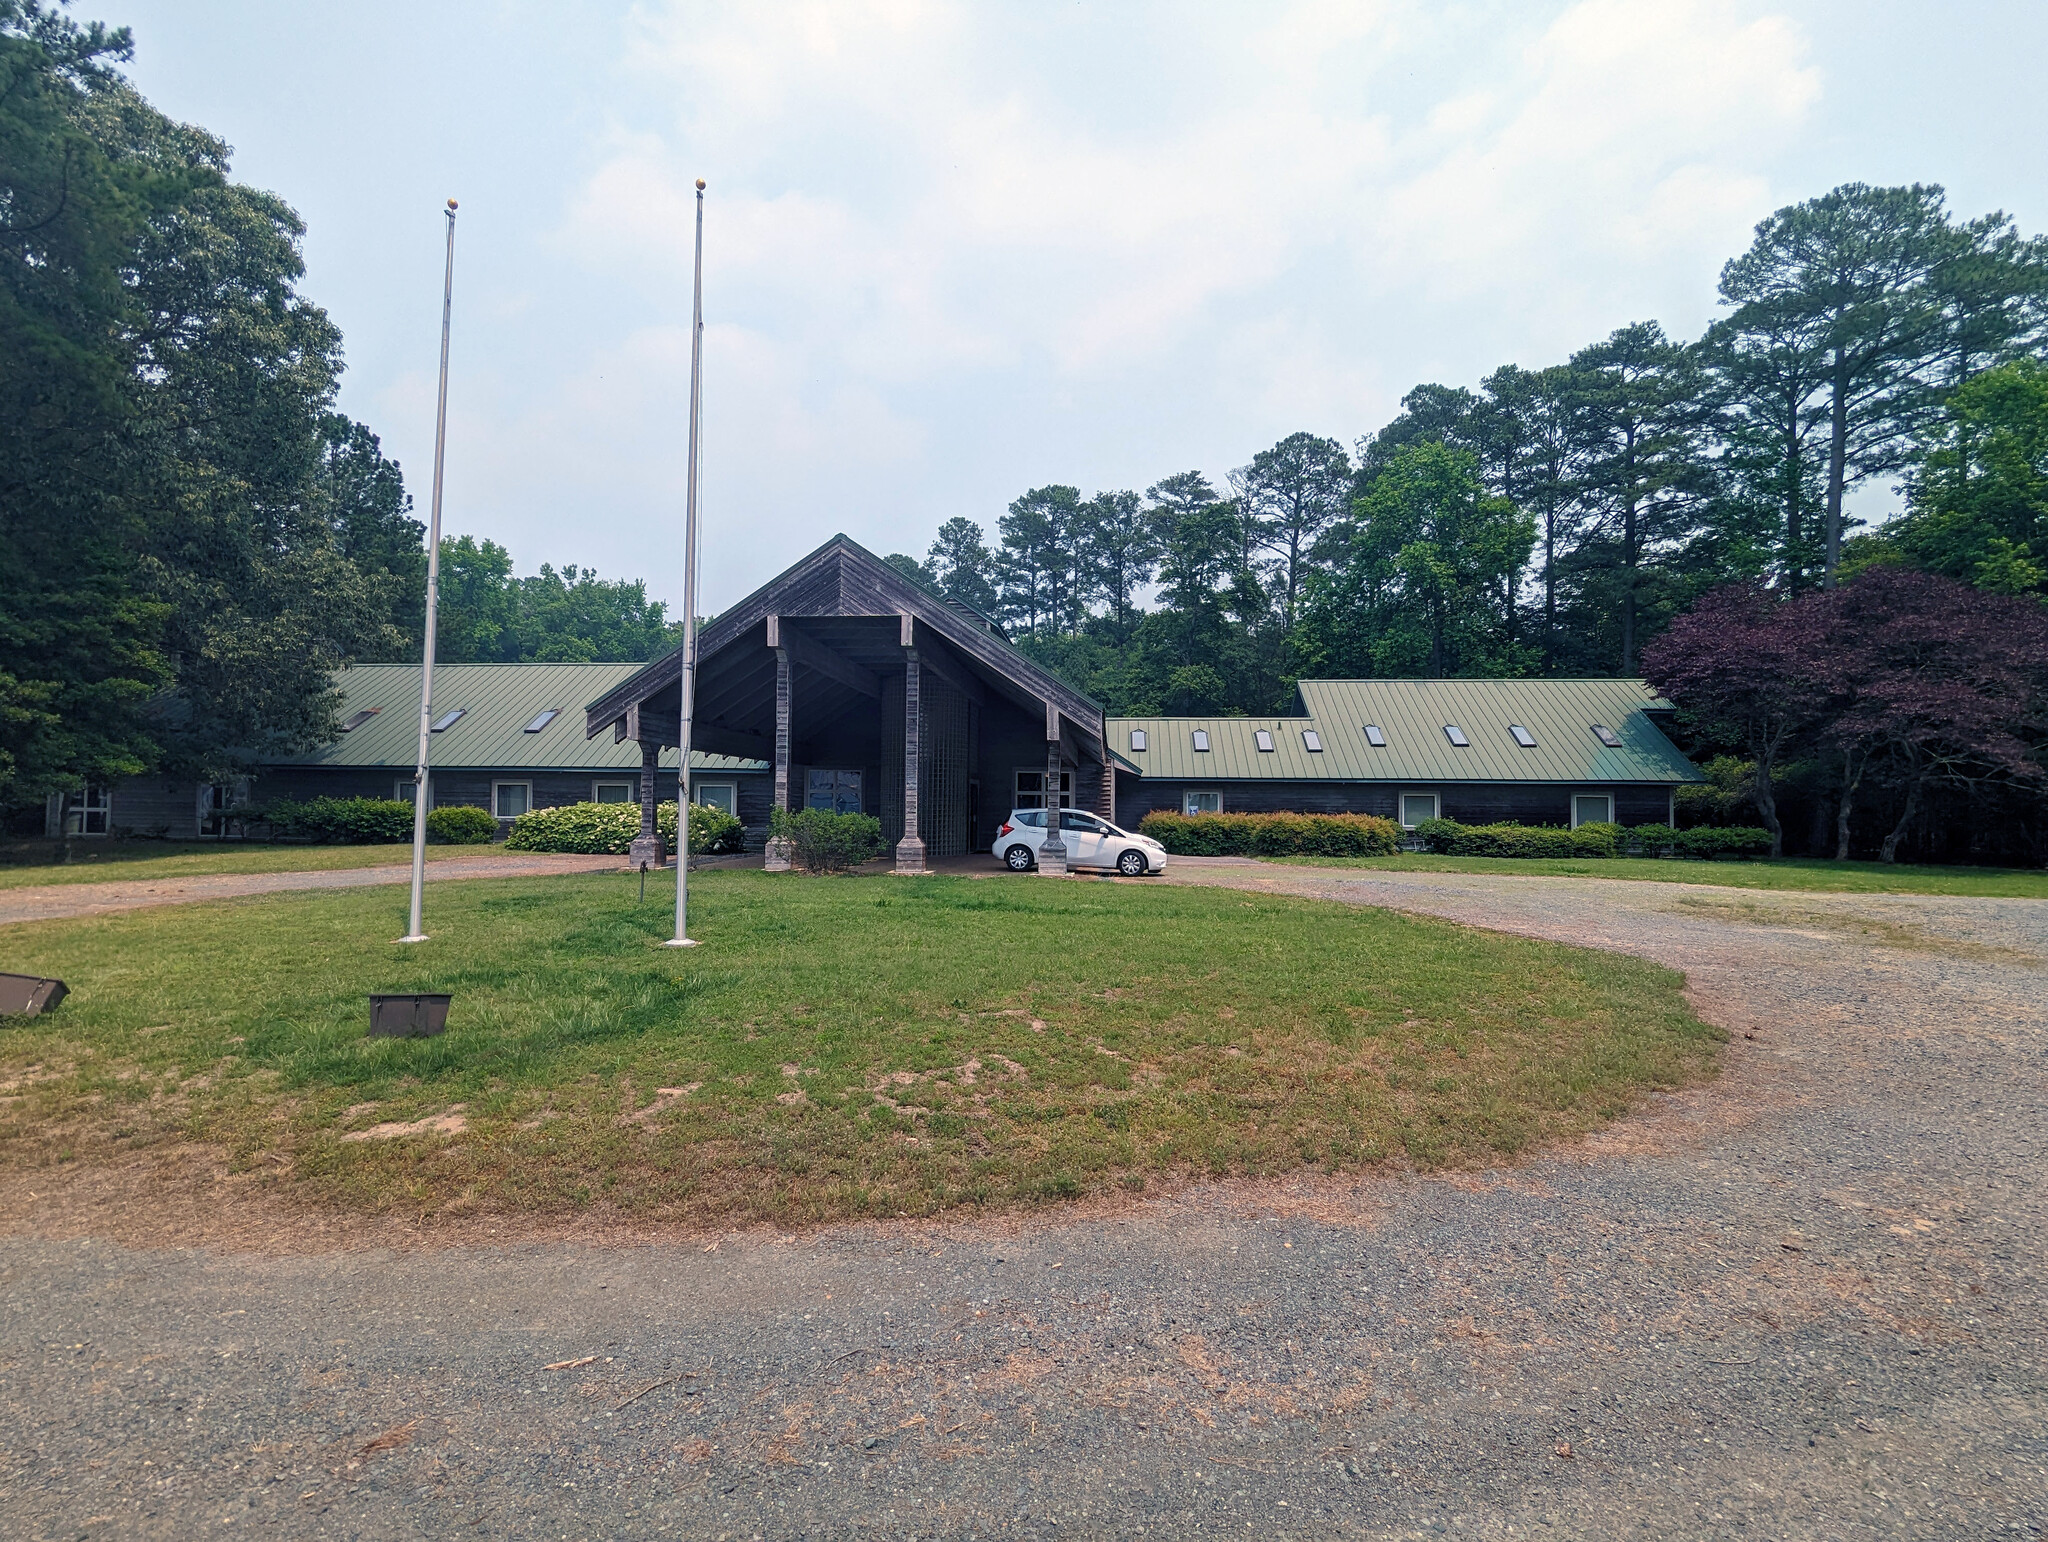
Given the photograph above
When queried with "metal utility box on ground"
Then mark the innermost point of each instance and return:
(408, 1016)
(28, 995)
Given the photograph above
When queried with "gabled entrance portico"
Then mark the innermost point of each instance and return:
(866, 690)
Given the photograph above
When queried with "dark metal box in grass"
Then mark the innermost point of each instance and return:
(409, 1016)
(27, 995)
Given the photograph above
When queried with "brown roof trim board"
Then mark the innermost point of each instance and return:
(1028, 680)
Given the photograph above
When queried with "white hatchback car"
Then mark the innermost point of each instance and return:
(1090, 842)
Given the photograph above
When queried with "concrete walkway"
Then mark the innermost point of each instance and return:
(54, 902)
(1804, 1302)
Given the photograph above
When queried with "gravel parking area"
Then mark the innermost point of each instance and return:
(57, 902)
(1803, 1302)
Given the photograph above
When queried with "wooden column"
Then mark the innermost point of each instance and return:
(647, 845)
(777, 855)
(910, 850)
(1052, 856)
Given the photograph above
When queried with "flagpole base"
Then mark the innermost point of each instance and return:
(415, 937)
(682, 942)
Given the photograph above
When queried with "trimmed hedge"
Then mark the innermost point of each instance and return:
(821, 841)
(1272, 835)
(342, 821)
(609, 829)
(460, 824)
(1446, 837)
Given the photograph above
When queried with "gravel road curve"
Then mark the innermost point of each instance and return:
(1805, 1302)
(57, 902)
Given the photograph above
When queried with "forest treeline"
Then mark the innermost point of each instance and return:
(1551, 521)
(192, 538)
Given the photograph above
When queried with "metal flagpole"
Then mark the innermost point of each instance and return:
(419, 781)
(682, 938)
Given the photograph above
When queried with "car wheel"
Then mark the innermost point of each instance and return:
(1018, 859)
(1132, 864)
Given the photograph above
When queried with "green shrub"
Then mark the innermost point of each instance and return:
(610, 828)
(342, 821)
(1437, 834)
(1651, 840)
(461, 824)
(821, 841)
(1597, 840)
(1709, 841)
(1272, 835)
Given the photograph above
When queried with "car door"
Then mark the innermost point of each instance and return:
(1082, 835)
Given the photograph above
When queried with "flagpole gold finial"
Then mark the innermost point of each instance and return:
(700, 184)
(451, 205)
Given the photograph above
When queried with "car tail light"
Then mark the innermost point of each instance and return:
(1006, 829)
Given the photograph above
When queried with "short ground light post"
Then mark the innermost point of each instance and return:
(414, 931)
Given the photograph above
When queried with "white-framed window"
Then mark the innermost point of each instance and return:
(1592, 808)
(1138, 740)
(1201, 800)
(511, 799)
(1418, 806)
(1312, 741)
(613, 792)
(724, 796)
(401, 790)
(89, 811)
(1263, 738)
(215, 801)
(1031, 789)
(1201, 737)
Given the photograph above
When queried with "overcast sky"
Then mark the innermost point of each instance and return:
(955, 251)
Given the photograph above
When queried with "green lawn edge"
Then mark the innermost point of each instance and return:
(1808, 874)
(143, 861)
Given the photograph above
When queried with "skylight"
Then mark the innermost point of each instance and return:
(1263, 740)
(1138, 739)
(1456, 735)
(1607, 736)
(1312, 741)
(1374, 737)
(448, 719)
(356, 720)
(1522, 735)
(543, 720)
(1202, 739)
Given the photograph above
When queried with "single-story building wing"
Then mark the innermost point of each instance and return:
(1533, 752)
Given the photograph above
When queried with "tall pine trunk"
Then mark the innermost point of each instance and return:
(1628, 593)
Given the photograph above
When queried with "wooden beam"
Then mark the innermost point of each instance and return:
(774, 631)
(1052, 722)
(906, 635)
(962, 680)
(822, 660)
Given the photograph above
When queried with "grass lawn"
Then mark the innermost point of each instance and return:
(1808, 873)
(839, 1046)
(123, 861)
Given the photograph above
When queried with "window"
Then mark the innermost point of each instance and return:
(1312, 741)
(1416, 807)
(401, 790)
(725, 797)
(448, 720)
(89, 811)
(215, 801)
(1263, 740)
(1201, 741)
(1031, 789)
(511, 799)
(1374, 737)
(612, 792)
(1456, 735)
(1076, 820)
(357, 719)
(1138, 740)
(1592, 808)
(1203, 803)
(1034, 818)
(1607, 736)
(543, 720)
(1522, 735)
(836, 792)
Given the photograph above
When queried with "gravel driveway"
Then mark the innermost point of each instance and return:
(57, 902)
(1804, 1302)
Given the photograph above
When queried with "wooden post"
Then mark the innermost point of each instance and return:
(647, 845)
(776, 859)
(1052, 856)
(910, 849)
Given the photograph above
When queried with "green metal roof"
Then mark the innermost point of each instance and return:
(497, 702)
(1558, 714)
